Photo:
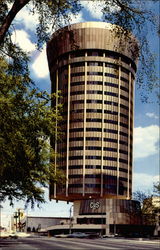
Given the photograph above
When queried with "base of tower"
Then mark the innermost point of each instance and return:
(105, 217)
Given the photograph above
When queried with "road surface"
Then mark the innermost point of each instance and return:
(75, 244)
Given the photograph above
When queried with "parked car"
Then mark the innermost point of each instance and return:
(78, 235)
(4, 235)
(13, 235)
(61, 235)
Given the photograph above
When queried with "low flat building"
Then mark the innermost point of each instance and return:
(35, 224)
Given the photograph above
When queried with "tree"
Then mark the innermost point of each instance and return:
(26, 124)
(156, 188)
(149, 205)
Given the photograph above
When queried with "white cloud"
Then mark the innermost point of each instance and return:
(144, 182)
(40, 65)
(95, 8)
(22, 38)
(152, 115)
(145, 141)
(26, 18)
(76, 18)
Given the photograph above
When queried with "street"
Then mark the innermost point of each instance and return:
(68, 243)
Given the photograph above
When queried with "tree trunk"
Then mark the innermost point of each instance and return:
(17, 6)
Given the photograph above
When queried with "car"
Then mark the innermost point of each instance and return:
(78, 235)
(61, 236)
(13, 235)
(4, 235)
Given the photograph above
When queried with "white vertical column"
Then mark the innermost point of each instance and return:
(129, 133)
(102, 134)
(84, 124)
(118, 129)
(55, 187)
(68, 125)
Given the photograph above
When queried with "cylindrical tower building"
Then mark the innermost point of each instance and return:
(93, 64)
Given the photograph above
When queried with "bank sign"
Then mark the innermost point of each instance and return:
(92, 206)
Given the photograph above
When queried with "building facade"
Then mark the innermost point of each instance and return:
(93, 64)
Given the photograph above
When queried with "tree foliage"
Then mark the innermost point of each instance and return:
(26, 124)
(149, 206)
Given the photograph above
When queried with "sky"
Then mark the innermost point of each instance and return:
(146, 115)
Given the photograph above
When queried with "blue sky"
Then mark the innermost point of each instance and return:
(146, 120)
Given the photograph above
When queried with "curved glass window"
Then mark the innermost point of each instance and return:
(77, 64)
(75, 102)
(93, 157)
(94, 101)
(76, 120)
(93, 120)
(124, 125)
(77, 93)
(124, 97)
(110, 140)
(123, 142)
(91, 63)
(94, 129)
(76, 130)
(125, 70)
(110, 84)
(94, 110)
(94, 52)
(123, 179)
(77, 83)
(89, 185)
(124, 134)
(94, 92)
(93, 148)
(111, 75)
(111, 65)
(124, 88)
(93, 166)
(123, 161)
(110, 121)
(123, 115)
(93, 138)
(76, 157)
(124, 79)
(111, 93)
(107, 158)
(76, 139)
(123, 170)
(77, 74)
(110, 112)
(111, 131)
(124, 107)
(77, 111)
(77, 53)
(94, 82)
(110, 149)
(75, 148)
(123, 152)
(111, 103)
(77, 185)
(76, 167)
(93, 73)
(109, 168)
